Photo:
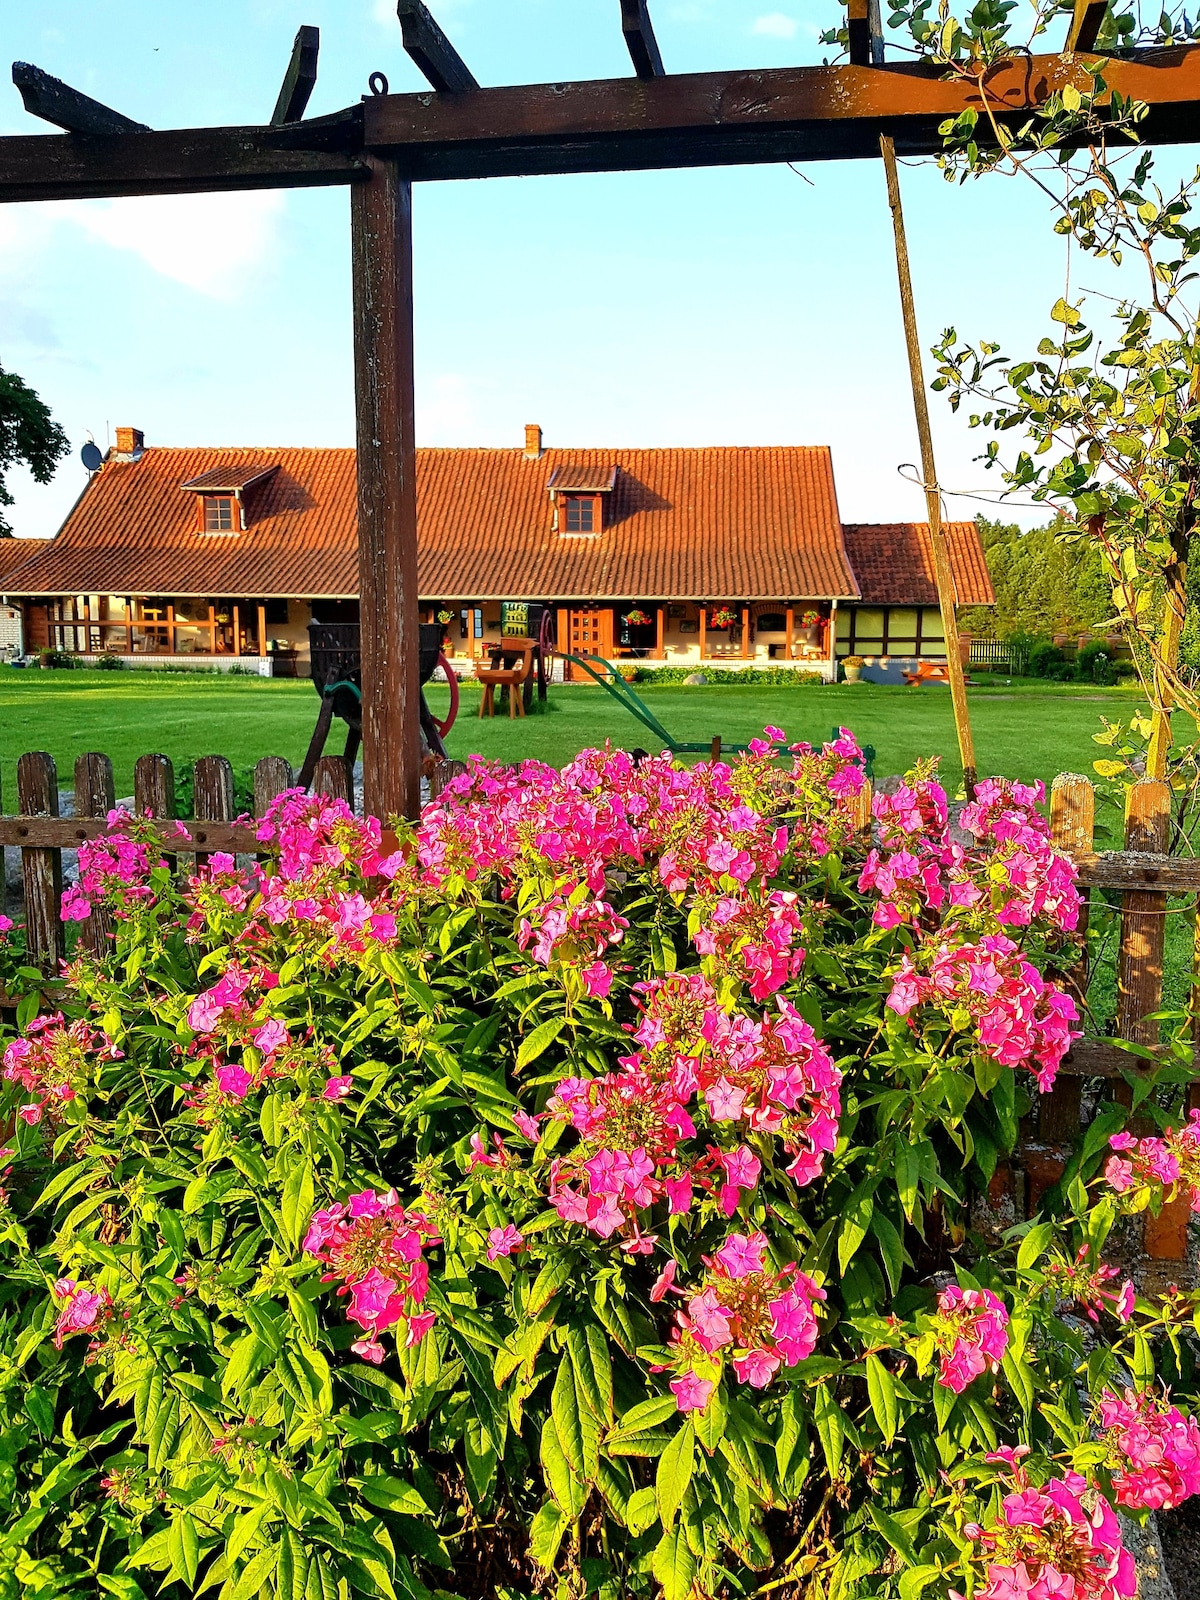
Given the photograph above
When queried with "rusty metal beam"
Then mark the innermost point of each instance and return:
(639, 39)
(728, 118)
(300, 79)
(431, 50)
(55, 101)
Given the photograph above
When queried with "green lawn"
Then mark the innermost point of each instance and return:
(1025, 731)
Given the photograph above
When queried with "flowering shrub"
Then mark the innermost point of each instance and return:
(573, 1195)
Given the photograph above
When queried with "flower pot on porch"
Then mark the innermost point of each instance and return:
(853, 674)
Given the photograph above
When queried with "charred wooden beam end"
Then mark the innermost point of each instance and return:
(56, 102)
(864, 27)
(431, 50)
(1085, 24)
(300, 79)
(639, 37)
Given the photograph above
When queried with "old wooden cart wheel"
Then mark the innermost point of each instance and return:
(444, 725)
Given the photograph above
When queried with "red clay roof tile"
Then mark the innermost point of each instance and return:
(893, 562)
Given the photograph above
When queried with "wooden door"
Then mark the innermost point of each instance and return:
(589, 633)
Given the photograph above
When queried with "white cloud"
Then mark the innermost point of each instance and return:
(775, 25)
(213, 243)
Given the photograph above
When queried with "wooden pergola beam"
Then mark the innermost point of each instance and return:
(321, 152)
(300, 79)
(431, 50)
(55, 101)
(639, 39)
(731, 118)
(622, 124)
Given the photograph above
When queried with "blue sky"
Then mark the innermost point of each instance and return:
(724, 306)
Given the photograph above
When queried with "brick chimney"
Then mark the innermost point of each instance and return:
(129, 446)
(533, 441)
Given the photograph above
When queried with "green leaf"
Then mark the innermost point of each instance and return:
(829, 1419)
(254, 1575)
(247, 1355)
(593, 1370)
(569, 1493)
(1034, 1243)
(245, 1530)
(539, 1040)
(546, 1534)
(892, 1532)
(1020, 1379)
(296, 1202)
(392, 1494)
(914, 1582)
(674, 1473)
(881, 1389)
(856, 1219)
(674, 1565)
(183, 1546)
(649, 1414)
(642, 1510)
(564, 1408)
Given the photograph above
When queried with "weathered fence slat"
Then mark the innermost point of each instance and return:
(37, 795)
(212, 788)
(95, 797)
(154, 786)
(334, 778)
(272, 775)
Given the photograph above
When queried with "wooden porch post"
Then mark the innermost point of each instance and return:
(703, 624)
(262, 630)
(660, 636)
(789, 646)
(212, 629)
(237, 630)
(745, 633)
(381, 255)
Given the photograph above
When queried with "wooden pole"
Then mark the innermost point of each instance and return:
(790, 635)
(745, 632)
(1160, 734)
(933, 499)
(262, 632)
(381, 251)
(703, 621)
(660, 633)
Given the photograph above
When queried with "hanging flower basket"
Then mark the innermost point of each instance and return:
(722, 617)
(810, 619)
(445, 617)
(637, 618)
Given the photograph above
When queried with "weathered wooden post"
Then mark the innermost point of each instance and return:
(381, 244)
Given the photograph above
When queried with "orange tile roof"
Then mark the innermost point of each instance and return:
(730, 523)
(893, 562)
(754, 523)
(14, 553)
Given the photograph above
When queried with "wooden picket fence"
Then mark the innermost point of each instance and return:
(1143, 872)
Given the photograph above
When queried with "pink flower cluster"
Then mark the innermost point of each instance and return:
(81, 1310)
(760, 1318)
(1089, 1285)
(1021, 1019)
(52, 1062)
(970, 1331)
(375, 1248)
(629, 1126)
(115, 867)
(1010, 876)
(1143, 1169)
(575, 931)
(713, 828)
(757, 940)
(1154, 1451)
(1056, 1542)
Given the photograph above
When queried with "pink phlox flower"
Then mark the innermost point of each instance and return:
(691, 1392)
(503, 1241)
(337, 1088)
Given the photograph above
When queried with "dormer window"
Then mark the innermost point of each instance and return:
(225, 497)
(578, 495)
(218, 513)
(581, 513)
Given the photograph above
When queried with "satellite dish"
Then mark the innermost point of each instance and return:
(91, 457)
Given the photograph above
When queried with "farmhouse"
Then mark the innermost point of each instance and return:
(729, 555)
